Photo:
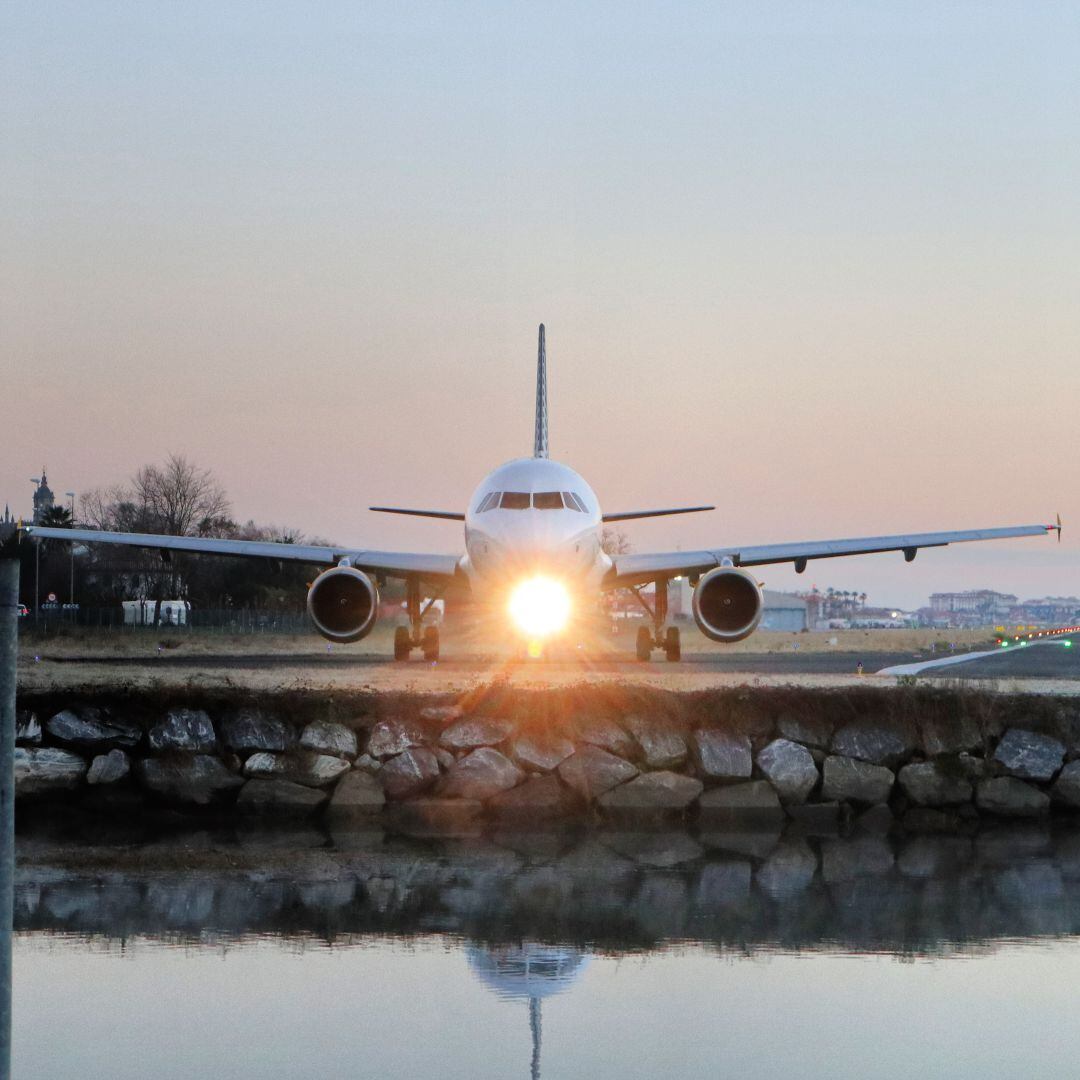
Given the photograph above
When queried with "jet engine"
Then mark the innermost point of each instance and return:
(728, 604)
(343, 604)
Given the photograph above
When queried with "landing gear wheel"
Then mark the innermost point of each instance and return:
(402, 643)
(644, 643)
(672, 645)
(430, 643)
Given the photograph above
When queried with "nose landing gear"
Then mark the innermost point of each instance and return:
(658, 638)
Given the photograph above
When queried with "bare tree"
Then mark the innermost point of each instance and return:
(183, 499)
(615, 542)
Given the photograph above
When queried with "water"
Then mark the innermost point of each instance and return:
(622, 955)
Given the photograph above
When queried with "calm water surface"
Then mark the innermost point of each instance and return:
(619, 955)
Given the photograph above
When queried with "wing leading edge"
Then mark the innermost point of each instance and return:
(394, 563)
(634, 569)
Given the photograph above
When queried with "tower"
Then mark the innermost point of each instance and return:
(43, 498)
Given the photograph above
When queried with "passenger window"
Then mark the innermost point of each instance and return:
(515, 500)
(547, 500)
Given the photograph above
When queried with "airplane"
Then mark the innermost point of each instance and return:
(532, 532)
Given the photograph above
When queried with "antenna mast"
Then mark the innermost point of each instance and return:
(540, 438)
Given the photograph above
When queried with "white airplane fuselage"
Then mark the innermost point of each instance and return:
(533, 516)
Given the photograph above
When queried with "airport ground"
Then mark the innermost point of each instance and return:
(174, 658)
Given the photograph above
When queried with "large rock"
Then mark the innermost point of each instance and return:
(539, 799)
(812, 731)
(391, 737)
(1066, 789)
(358, 794)
(652, 793)
(927, 784)
(43, 771)
(27, 728)
(592, 771)
(542, 753)
(90, 729)
(604, 733)
(661, 747)
(442, 714)
(1009, 797)
(249, 730)
(752, 803)
(478, 731)
(949, 735)
(198, 779)
(848, 780)
(325, 737)
(409, 773)
(278, 798)
(109, 768)
(877, 742)
(1028, 755)
(189, 730)
(790, 769)
(309, 769)
(265, 764)
(722, 755)
(481, 774)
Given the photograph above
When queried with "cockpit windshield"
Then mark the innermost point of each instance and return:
(547, 500)
(515, 500)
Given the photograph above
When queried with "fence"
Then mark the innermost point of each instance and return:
(219, 620)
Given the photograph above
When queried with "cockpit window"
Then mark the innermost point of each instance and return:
(491, 499)
(547, 500)
(515, 500)
(578, 501)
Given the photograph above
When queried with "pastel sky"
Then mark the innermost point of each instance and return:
(816, 263)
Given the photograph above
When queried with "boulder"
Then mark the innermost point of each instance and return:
(325, 737)
(358, 794)
(198, 779)
(389, 738)
(813, 731)
(441, 714)
(790, 769)
(592, 771)
(27, 728)
(661, 747)
(754, 802)
(539, 799)
(250, 729)
(189, 730)
(481, 774)
(41, 771)
(926, 784)
(949, 735)
(409, 773)
(722, 755)
(878, 820)
(877, 742)
(90, 729)
(1029, 755)
(477, 731)
(109, 768)
(1066, 789)
(652, 793)
(309, 769)
(542, 753)
(848, 780)
(604, 733)
(444, 758)
(1009, 797)
(366, 763)
(974, 768)
(278, 798)
(265, 765)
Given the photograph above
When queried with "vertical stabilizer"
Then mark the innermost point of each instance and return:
(540, 438)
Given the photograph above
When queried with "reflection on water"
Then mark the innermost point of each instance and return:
(525, 914)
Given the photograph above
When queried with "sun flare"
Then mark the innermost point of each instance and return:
(540, 607)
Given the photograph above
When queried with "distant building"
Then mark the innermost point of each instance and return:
(1048, 611)
(7, 524)
(44, 500)
(975, 607)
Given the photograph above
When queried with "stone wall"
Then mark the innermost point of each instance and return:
(921, 759)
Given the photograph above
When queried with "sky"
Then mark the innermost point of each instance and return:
(817, 264)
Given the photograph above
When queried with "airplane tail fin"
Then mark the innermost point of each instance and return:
(540, 438)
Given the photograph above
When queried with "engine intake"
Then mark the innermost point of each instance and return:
(343, 603)
(728, 604)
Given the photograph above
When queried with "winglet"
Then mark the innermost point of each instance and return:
(540, 437)
(1058, 527)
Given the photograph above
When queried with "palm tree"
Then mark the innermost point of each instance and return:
(57, 517)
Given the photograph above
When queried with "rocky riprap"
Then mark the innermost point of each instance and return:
(933, 764)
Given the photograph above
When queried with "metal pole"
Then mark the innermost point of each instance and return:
(9, 643)
(71, 495)
(37, 580)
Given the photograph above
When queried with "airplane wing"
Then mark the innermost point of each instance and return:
(632, 515)
(393, 563)
(635, 569)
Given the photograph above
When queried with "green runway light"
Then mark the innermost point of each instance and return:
(1023, 644)
(1067, 643)
(1004, 644)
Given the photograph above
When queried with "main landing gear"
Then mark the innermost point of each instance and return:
(657, 637)
(416, 635)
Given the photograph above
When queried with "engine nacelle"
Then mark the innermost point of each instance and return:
(728, 604)
(343, 604)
